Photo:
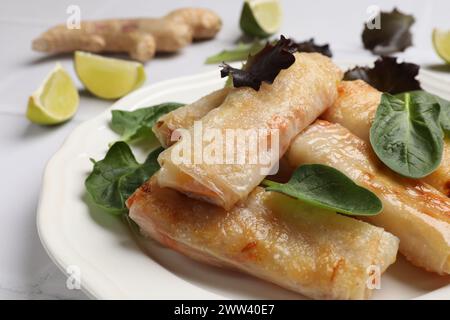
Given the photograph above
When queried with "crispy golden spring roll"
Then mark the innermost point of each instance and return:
(355, 109)
(184, 117)
(315, 252)
(296, 98)
(413, 211)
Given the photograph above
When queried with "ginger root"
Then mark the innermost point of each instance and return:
(140, 37)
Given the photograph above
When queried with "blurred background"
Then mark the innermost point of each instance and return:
(26, 272)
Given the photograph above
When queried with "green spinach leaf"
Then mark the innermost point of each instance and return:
(134, 125)
(444, 117)
(118, 175)
(241, 52)
(427, 98)
(406, 133)
(328, 188)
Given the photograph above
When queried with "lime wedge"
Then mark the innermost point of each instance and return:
(261, 18)
(441, 43)
(55, 101)
(108, 78)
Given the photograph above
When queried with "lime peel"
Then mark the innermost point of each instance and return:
(108, 78)
(55, 101)
(441, 44)
(261, 18)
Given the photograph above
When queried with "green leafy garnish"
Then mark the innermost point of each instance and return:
(134, 125)
(241, 52)
(394, 34)
(407, 134)
(444, 117)
(444, 107)
(118, 175)
(328, 188)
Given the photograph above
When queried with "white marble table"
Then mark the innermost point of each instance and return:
(26, 272)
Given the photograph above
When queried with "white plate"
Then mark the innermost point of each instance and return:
(79, 237)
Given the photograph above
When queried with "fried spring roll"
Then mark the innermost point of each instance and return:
(296, 98)
(184, 117)
(415, 212)
(315, 252)
(355, 109)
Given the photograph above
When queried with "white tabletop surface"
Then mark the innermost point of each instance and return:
(26, 272)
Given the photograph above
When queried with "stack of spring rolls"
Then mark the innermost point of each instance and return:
(217, 213)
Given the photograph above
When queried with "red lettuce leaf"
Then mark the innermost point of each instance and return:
(263, 66)
(388, 75)
(393, 35)
(311, 46)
